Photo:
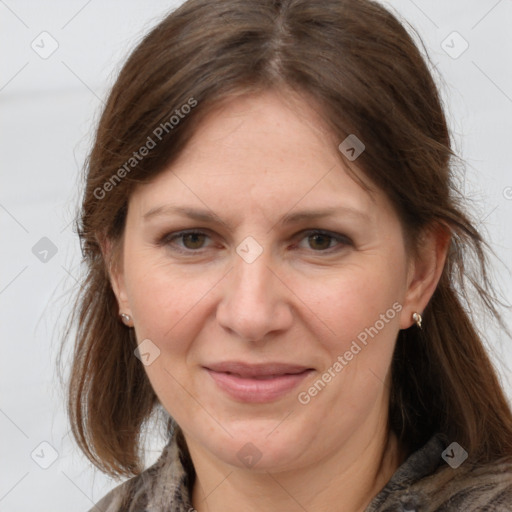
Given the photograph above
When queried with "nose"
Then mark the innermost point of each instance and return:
(255, 303)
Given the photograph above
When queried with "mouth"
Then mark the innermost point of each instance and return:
(257, 383)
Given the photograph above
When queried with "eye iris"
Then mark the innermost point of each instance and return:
(195, 240)
(194, 237)
(319, 235)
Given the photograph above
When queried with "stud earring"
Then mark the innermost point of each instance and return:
(126, 319)
(417, 318)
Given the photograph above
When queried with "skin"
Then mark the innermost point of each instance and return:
(301, 301)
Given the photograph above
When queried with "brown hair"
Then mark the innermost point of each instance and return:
(355, 61)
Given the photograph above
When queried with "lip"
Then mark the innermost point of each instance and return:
(257, 383)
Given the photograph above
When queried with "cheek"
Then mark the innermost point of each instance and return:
(353, 299)
(165, 304)
(158, 298)
(361, 306)
(168, 303)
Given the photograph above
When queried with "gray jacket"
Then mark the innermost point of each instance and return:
(423, 483)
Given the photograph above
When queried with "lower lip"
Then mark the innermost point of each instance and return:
(246, 389)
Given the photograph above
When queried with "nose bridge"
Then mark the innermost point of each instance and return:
(251, 285)
(252, 303)
(251, 277)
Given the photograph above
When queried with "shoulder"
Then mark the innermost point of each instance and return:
(426, 483)
(132, 495)
(163, 486)
(472, 489)
(113, 501)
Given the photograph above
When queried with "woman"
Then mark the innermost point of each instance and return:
(344, 376)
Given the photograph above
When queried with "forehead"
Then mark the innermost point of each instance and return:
(261, 153)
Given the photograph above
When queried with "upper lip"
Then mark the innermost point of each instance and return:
(256, 370)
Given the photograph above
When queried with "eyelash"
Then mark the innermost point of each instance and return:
(167, 239)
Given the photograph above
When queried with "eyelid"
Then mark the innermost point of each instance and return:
(167, 238)
(342, 239)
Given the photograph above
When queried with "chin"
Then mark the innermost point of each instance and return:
(259, 446)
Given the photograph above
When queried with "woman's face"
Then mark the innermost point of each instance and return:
(269, 344)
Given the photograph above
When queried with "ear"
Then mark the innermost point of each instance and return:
(113, 257)
(424, 271)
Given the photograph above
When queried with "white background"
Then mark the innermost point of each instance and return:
(49, 108)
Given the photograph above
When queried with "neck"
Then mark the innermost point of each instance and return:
(347, 480)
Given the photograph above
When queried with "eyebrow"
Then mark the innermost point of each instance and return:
(289, 218)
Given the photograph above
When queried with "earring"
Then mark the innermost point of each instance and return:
(417, 318)
(126, 319)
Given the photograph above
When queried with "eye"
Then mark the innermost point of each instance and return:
(192, 241)
(322, 241)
